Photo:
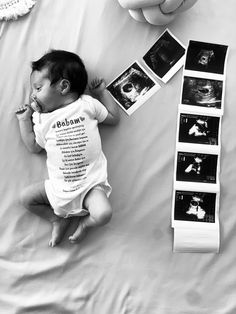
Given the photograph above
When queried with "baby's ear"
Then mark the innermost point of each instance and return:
(64, 86)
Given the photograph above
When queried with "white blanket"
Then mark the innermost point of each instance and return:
(128, 266)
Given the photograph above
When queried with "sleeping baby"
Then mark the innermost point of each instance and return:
(63, 121)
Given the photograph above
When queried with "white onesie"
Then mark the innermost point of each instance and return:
(75, 160)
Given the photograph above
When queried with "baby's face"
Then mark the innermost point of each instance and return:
(47, 96)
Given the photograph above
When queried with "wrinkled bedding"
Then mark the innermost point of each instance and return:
(128, 266)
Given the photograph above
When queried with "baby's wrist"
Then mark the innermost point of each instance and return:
(24, 118)
(101, 94)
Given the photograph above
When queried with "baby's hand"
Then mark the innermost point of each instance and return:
(24, 112)
(97, 86)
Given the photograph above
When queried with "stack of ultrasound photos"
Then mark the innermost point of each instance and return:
(195, 213)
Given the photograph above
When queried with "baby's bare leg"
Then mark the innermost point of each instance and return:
(100, 211)
(34, 198)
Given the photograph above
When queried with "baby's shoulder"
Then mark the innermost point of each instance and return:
(88, 102)
(87, 99)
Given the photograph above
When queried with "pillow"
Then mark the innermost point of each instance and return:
(156, 12)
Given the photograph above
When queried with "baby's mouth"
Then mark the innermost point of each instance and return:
(36, 105)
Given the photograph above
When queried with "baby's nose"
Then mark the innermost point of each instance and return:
(33, 98)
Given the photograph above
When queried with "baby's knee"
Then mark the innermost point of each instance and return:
(104, 216)
(25, 199)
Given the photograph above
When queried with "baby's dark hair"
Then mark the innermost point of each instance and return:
(63, 64)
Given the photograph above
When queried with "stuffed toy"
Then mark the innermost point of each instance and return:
(156, 12)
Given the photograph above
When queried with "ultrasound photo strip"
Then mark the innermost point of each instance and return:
(196, 189)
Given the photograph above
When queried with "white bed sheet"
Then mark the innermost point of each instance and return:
(128, 266)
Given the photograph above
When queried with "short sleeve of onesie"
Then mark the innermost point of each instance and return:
(100, 111)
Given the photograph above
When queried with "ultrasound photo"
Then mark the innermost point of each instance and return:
(206, 57)
(202, 92)
(131, 87)
(195, 206)
(198, 129)
(196, 167)
(164, 54)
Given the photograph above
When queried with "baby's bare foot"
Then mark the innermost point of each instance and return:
(79, 234)
(59, 228)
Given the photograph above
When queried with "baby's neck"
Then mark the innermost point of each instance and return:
(69, 99)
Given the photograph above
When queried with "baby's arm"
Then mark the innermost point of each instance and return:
(24, 116)
(98, 89)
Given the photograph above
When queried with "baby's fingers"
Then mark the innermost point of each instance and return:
(21, 109)
(95, 83)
